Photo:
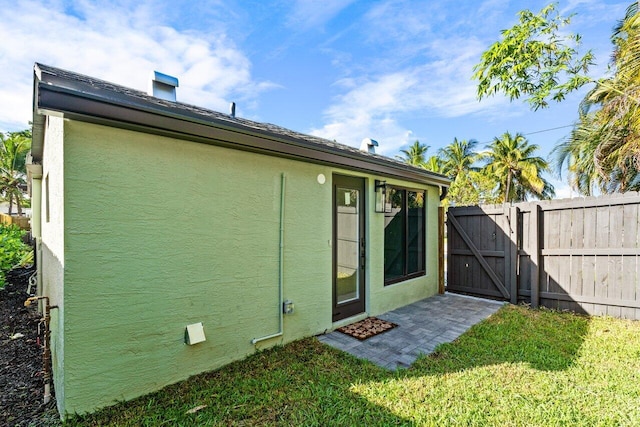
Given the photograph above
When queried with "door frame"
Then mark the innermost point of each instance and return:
(349, 308)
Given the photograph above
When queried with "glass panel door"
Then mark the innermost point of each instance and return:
(349, 246)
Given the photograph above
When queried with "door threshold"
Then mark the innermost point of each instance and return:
(349, 320)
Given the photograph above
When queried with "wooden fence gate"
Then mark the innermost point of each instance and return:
(580, 254)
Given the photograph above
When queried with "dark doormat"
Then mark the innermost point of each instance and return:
(367, 328)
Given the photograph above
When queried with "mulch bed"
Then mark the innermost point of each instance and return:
(21, 384)
(367, 328)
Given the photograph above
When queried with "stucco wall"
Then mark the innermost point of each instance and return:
(161, 233)
(52, 223)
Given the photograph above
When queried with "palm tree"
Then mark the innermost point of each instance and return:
(14, 147)
(469, 185)
(458, 157)
(618, 154)
(415, 154)
(603, 149)
(434, 164)
(511, 160)
(577, 153)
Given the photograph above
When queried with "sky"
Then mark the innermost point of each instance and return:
(395, 71)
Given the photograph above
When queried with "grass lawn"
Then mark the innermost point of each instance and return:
(520, 367)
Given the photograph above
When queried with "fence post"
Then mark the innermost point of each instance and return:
(536, 268)
(514, 258)
(441, 250)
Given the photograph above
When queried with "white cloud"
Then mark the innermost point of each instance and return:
(308, 14)
(374, 106)
(399, 21)
(564, 191)
(368, 111)
(117, 43)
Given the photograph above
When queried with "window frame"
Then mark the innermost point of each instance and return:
(405, 244)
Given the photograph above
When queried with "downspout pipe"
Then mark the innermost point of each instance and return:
(280, 268)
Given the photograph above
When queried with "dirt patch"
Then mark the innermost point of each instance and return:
(21, 399)
(367, 328)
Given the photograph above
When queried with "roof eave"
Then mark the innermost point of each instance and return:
(119, 111)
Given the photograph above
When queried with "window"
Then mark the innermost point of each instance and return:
(404, 235)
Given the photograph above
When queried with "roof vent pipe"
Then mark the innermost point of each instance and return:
(162, 86)
(232, 109)
(369, 145)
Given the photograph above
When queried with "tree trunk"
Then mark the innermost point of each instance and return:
(19, 205)
(506, 196)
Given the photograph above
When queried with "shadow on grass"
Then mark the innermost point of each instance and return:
(309, 383)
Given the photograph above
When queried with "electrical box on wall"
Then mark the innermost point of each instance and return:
(287, 307)
(194, 333)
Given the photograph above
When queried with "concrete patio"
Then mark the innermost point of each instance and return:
(421, 327)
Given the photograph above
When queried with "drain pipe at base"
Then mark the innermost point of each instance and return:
(280, 268)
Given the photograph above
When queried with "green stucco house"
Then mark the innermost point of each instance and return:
(173, 239)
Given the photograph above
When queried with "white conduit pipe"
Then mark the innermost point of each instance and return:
(280, 267)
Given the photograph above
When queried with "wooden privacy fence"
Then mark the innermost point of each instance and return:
(20, 221)
(579, 254)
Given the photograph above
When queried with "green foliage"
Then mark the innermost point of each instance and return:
(520, 367)
(472, 188)
(577, 154)
(534, 59)
(434, 164)
(13, 251)
(511, 160)
(603, 150)
(458, 157)
(14, 147)
(469, 185)
(415, 155)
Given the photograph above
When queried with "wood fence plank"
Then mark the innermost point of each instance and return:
(453, 263)
(493, 293)
(495, 239)
(589, 262)
(513, 225)
(481, 260)
(630, 264)
(482, 239)
(592, 252)
(502, 243)
(602, 262)
(536, 267)
(577, 244)
(471, 226)
(562, 282)
(616, 281)
(551, 233)
(486, 254)
(592, 202)
(525, 257)
(581, 254)
(629, 291)
(457, 271)
(586, 300)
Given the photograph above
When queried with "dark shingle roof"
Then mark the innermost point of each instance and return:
(86, 98)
